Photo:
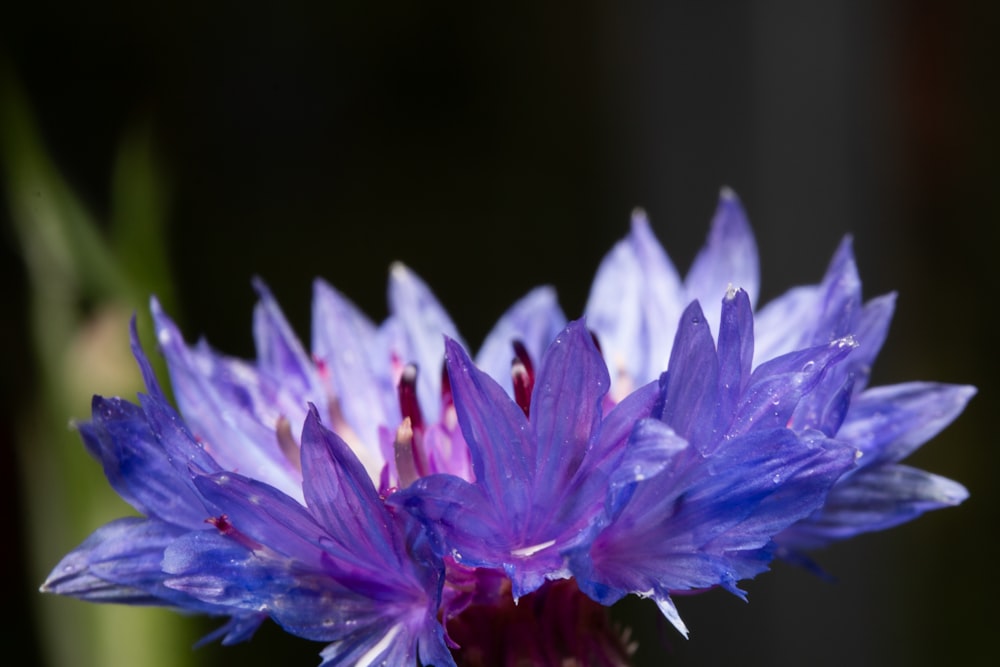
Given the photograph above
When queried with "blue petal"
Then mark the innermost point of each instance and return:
(888, 423)
(139, 467)
(729, 258)
(707, 521)
(785, 324)
(840, 303)
(120, 562)
(871, 331)
(497, 433)
(777, 386)
(874, 499)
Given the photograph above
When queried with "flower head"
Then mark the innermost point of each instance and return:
(393, 496)
(635, 321)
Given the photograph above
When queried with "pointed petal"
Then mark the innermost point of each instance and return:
(424, 321)
(634, 305)
(871, 331)
(344, 341)
(735, 348)
(340, 494)
(729, 258)
(889, 423)
(777, 386)
(874, 499)
(120, 562)
(691, 402)
(535, 320)
(841, 297)
(279, 351)
(708, 521)
(499, 439)
(139, 467)
(148, 375)
(669, 611)
(566, 409)
(230, 407)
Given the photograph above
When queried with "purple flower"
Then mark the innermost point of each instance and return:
(336, 566)
(635, 318)
(391, 496)
(715, 473)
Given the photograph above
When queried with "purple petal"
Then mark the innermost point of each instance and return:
(841, 297)
(729, 258)
(735, 348)
(346, 343)
(634, 305)
(497, 433)
(340, 494)
(777, 386)
(566, 409)
(785, 324)
(231, 407)
(138, 465)
(888, 423)
(424, 321)
(871, 331)
(120, 562)
(708, 521)
(691, 401)
(874, 499)
(279, 351)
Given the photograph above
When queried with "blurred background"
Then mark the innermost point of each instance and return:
(184, 148)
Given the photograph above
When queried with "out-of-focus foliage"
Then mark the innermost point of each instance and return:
(85, 280)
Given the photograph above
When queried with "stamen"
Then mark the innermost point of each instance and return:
(290, 448)
(223, 525)
(447, 400)
(406, 459)
(522, 373)
(408, 405)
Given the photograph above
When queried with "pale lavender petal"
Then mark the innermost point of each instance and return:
(889, 423)
(535, 320)
(347, 345)
(425, 323)
(728, 260)
(874, 499)
(634, 306)
(279, 351)
(230, 407)
(785, 324)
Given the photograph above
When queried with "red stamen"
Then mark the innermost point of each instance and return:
(223, 525)
(522, 373)
(408, 405)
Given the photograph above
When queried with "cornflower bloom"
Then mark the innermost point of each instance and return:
(393, 497)
(635, 304)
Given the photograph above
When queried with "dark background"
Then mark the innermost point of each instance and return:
(496, 149)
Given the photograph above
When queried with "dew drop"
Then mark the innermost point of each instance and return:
(808, 366)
